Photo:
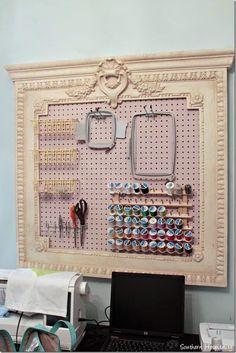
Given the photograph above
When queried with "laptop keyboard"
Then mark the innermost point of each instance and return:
(129, 345)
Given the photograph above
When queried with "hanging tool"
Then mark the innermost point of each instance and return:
(80, 210)
(60, 225)
(74, 222)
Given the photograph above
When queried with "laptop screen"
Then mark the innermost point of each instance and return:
(147, 304)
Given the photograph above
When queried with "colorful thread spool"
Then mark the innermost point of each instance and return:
(111, 232)
(188, 236)
(170, 247)
(144, 222)
(136, 210)
(144, 188)
(128, 210)
(135, 245)
(128, 232)
(178, 248)
(153, 234)
(161, 246)
(144, 211)
(127, 221)
(161, 234)
(161, 211)
(144, 233)
(153, 222)
(153, 211)
(161, 223)
(111, 220)
(127, 245)
(170, 223)
(179, 223)
(170, 235)
(153, 246)
(111, 244)
(136, 222)
(119, 244)
(144, 245)
(119, 221)
(188, 248)
(178, 234)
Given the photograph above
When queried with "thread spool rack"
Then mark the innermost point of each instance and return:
(177, 207)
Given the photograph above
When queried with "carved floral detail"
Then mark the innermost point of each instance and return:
(41, 244)
(198, 256)
(112, 79)
(83, 89)
(147, 85)
(197, 100)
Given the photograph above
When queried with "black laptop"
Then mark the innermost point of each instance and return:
(147, 312)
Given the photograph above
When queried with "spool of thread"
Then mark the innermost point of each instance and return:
(170, 187)
(111, 210)
(178, 248)
(127, 245)
(128, 210)
(136, 188)
(119, 210)
(136, 210)
(153, 211)
(170, 234)
(127, 188)
(144, 222)
(135, 222)
(128, 232)
(161, 223)
(144, 188)
(161, 246)
(135, 245)
(153, 234)
(178, 234)
(188, 248)
(119, 221)
(170, 223)
(144, 211)
(144, 233)
(144, 245)
(153, 246)
(179, 223)
(111, 232)
(128, 221)
(119, 232)
(119, 244)
(161, 234)
(188, 189)
(188, 236)
(161, 211)
(153, 222)
(136, 233)
(111, 220)
(111, 244)
(119, 187)
(170, 247)
(111, 187)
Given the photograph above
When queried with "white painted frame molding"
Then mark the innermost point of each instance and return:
(201, 77)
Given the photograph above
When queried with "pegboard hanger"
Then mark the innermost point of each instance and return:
(118, 129)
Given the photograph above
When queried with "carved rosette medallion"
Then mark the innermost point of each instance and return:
(198, 256)
(112, 78)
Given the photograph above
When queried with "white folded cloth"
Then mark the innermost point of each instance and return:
(46, 294)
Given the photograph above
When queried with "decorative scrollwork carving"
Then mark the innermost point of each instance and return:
(41, 244)
(112, 78)
(83, 89)
(147, 85)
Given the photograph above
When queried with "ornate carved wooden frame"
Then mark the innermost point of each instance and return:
(199, 76)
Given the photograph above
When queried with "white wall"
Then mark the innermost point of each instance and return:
(44, 30)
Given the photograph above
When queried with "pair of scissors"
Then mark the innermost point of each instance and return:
(81, 210)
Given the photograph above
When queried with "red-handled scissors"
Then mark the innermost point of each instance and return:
(81, 210)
